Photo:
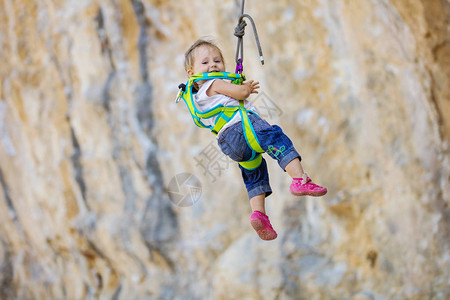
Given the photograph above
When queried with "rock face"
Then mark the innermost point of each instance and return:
(90, 138)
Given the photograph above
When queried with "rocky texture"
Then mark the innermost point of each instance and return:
(90, 137)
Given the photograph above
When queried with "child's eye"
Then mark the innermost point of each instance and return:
(204, 63)
(218, 61)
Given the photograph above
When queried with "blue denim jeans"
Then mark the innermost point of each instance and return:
(271, 139)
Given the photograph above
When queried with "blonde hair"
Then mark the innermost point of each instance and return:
(189, 54)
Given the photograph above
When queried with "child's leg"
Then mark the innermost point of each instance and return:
(258, 203)
(280, 147)
(257, 183)
(294, 168)
(259, 220)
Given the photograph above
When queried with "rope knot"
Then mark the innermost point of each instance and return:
(239, 30)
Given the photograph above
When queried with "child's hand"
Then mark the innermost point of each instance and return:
(252, 86)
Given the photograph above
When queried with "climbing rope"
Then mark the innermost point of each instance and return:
(239, 32)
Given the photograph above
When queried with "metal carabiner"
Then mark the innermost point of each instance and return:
(182, 88)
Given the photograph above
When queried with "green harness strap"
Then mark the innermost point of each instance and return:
(224, 113)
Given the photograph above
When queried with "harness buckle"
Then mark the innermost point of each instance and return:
(182, 89)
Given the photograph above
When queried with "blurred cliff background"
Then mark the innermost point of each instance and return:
(90, 138)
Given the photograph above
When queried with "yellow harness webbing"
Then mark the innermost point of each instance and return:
(224, 113)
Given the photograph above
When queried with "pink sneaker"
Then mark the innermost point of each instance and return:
(261, 224)
(305, 187)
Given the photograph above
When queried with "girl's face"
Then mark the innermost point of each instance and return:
(206, 59)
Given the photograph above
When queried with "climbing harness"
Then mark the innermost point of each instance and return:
(226, 113)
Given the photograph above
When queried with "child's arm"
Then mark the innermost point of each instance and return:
(238, 92)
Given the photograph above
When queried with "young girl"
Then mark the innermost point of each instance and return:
(203, 57)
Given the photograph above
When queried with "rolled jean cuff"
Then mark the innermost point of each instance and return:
(260, 189)
(288, 158)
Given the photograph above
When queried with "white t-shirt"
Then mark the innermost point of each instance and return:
(205, 102)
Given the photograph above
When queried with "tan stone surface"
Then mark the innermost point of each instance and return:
(90, 138)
